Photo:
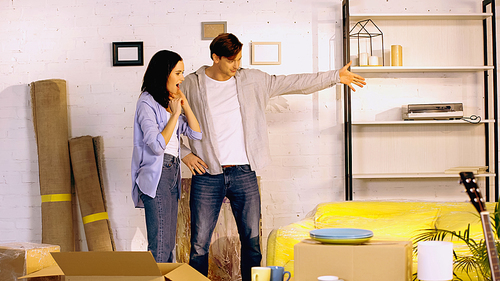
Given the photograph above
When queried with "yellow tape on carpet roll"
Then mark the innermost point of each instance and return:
(56, 198)
(95, 217)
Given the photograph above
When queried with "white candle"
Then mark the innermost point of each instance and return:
(435, 261)
(373, 60)
(363, 59)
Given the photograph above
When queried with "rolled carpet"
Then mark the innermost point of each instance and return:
(90, 195)
(50, 120)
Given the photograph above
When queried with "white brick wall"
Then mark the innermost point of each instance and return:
(71, 40)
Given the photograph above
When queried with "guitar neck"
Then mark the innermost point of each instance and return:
(490, 246)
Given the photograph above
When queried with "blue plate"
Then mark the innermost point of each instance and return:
(342, 241)
(341, 235)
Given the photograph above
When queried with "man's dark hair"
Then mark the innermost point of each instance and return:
(225, 45)
(156, 75)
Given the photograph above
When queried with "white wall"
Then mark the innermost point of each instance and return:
(71, 40)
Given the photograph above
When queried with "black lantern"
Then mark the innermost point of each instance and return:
(367, 29)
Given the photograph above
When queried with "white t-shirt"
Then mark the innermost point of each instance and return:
(172, 147)
(225, 109)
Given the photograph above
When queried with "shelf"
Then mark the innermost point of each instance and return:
(419, 122)
(373, 146)
(475, 16)
(413, 175)
(401, 69)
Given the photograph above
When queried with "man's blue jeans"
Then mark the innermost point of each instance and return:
(239, 185)
(161, 212)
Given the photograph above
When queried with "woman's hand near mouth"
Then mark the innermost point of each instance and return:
(178, 94)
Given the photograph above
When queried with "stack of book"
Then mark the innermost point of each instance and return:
(473, 169)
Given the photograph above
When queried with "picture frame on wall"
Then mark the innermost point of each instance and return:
(210, 30)
(128, 53)
(266, 53)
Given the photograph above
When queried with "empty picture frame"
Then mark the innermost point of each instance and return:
(128, 53)
(266, 53)
(210, 30)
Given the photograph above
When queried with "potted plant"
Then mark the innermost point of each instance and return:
(475, 264)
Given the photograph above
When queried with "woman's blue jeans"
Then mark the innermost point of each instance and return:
(161, 212)
(239, 185)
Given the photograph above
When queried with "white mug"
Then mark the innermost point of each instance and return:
(328, 278)
(261, 273)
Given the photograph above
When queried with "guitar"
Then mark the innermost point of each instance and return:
(468, 180)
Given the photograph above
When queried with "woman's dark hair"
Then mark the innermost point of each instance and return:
(225, 45)
(156, 75)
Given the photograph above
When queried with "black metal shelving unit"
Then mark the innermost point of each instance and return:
(347, 104)
(490, 76)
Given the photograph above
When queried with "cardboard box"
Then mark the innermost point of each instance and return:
(114, 266)
(373, 261)
(21, 258)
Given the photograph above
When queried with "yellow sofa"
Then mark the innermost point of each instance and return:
(388, 220)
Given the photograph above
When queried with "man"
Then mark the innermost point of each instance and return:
(230, 104)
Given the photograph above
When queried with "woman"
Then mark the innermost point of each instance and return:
(158, 125)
